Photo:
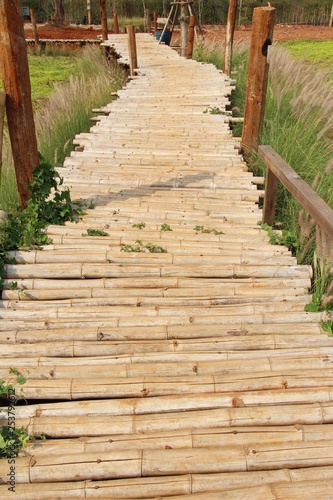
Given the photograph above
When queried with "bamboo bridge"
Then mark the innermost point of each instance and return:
(171, 357)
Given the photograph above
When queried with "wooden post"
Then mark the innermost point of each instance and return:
(2, 120)
(148, 21)
(331, 18)
(88, 12)
(155, 22)
(183, 29)
(229, 38)
(115, 23)
(271, 193)
(262, 34)
(190, 38)
(132, 49)
(16, 84)
(34, 26)
(104, 19)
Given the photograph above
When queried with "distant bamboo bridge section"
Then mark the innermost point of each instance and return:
(172, 357)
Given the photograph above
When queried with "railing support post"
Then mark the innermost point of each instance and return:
(16, 84)
(262, 35)
(104, 19)
(115, 23)
(271, 193)
(229, 38)
(132, 49)
(155, 22)
(190, 38)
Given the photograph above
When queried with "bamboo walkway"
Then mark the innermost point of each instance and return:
(190, 370)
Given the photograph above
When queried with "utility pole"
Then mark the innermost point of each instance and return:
(14, 71)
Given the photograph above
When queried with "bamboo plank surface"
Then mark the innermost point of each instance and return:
(189, 372)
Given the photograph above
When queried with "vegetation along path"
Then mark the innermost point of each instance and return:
(164, 340)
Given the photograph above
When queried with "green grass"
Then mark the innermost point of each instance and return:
(45, 71)
(314, 52)
(63, 108)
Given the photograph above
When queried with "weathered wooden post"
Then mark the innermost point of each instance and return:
(262, 34)
(34, 26)
(115, 23)
(88, 12)
(2, 120)
(104, 19)
(16, 85)
(132, 49)
(183, 19)
(155, 22)
(229, 38)
(190, 38)
(148, 21)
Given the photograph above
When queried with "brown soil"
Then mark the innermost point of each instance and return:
(282, 32)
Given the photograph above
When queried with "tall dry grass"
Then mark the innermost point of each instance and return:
(64, 114)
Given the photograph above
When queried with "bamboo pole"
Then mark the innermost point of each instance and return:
(190, 38)
(132, 49)
(115, 23)
(16, 84)
(262, 34)
(231, 23)
(104, 19)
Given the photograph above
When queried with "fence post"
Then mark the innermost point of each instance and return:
(16, 84)
(270, 199)
(190, 38)
(155, 22)
(148, 21)
(2, 119)
(183, 29)
(262, 34)
(132, 49)
(34, 26)
(115, 23)
(104, 19)
(229, 37)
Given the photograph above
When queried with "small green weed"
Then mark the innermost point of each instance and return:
(286, 238)
(214, 111)
(202, 229)
(326, 326)
(95, 232)
(141, 247)
(139, 225)
(165, 227)
(12, 439)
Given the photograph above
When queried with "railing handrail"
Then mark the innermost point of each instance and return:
(279, 170)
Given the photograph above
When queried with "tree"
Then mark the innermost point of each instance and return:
(59, 12)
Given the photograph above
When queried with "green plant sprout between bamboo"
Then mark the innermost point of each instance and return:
(12, 439)
(142, 247)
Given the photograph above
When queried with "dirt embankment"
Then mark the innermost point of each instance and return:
(282, 32)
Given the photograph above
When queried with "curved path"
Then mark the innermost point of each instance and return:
(172, 356)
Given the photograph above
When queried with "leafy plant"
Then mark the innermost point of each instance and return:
(202, 229)
(95, 232)
(165, 227)
(139, 225)
(12, 439)
(214, 111)
(285, 237)
(141, 247)
(326, 326)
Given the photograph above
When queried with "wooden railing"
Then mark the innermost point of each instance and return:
(279, 170)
